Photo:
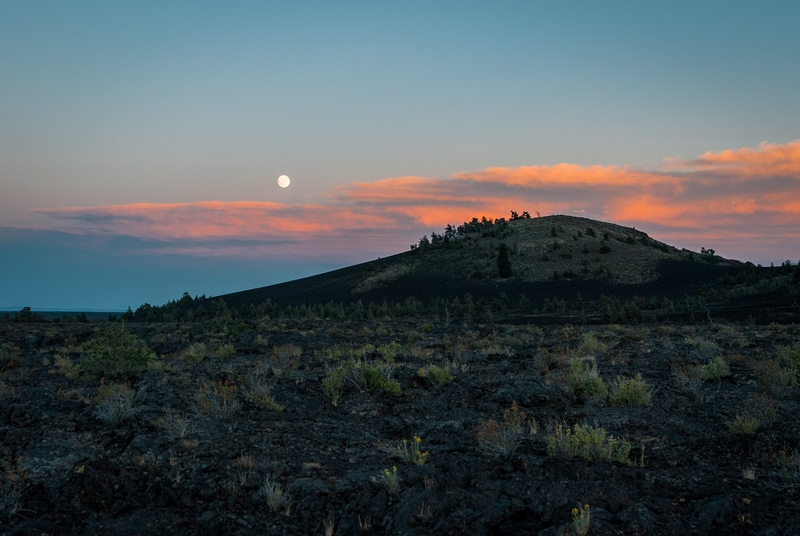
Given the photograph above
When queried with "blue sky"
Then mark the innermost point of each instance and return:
(106, 105)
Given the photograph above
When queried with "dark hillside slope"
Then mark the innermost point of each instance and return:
(551, 257)
(677, 279)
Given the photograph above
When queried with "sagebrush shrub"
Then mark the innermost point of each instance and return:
(789, 356)
(259, 393)
(630, 392)
(718, 368)
(371, 376)
(195, 353)
(218, 400)
(582, 376)
(116, 402)
(501, 438)
(442, 375)
(273, 494)
(10, 356)
(284, 359)
(587, 443)
(758, 412)
(590, 345)
(775, 379)
(333, 385)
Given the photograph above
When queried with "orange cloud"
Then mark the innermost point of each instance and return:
(734, 195)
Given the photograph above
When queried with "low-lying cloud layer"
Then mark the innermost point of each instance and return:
(745, 203)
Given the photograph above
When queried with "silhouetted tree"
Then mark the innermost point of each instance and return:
(27, 316)
(503, 263)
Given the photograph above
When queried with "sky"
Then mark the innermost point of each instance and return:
(141, 142)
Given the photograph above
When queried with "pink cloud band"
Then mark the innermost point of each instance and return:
(748, 194)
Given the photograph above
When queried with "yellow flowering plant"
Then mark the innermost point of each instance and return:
(409, 451)
(581, 520)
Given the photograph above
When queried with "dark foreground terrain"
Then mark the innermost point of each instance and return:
(298, 427)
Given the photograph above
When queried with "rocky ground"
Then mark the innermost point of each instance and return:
(230, 427)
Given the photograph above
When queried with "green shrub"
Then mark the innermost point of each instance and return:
(743, 425)
(789, 356)
(115, 352)
(587, 443)
(582, 376)
(590, 345)
(9, 356)
(225, 351)
(419, 352)
(371, 376)
(273, 494)
(718, 368)
(776, 379)
(581, 520)
(264, 401)
(414, 336)
(389, 352)
(334, 353)
(410, 453)
(259, 393)
(441, 375)
(391, 481)
(333, 385)
(634, 391)
(195, 353)
(705, 349)
(67, 367)
(759, 411)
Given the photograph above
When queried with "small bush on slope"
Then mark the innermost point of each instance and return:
(115, 352)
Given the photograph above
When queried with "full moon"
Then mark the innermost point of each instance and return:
(283, 181)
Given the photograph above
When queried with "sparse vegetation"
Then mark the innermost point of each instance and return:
(371, 376)
(114, 352)
(67, 367)
(181, 440)
(273, 494)
(582, 376)
(442, 375)
(217, 400)
(259, 393)
(501, 438)
(409, 451)
(6, 392)
(581, 520)
(590, 345)
(174, 424)
(390, 480)
(631, 392)
(117, 402)
(715, 370)
(195, 353)
(588, 443)
(759, 412)
(333, 385)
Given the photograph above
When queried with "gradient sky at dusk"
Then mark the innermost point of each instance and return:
(140, 142)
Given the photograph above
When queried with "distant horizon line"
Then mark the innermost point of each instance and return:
(12, 309)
